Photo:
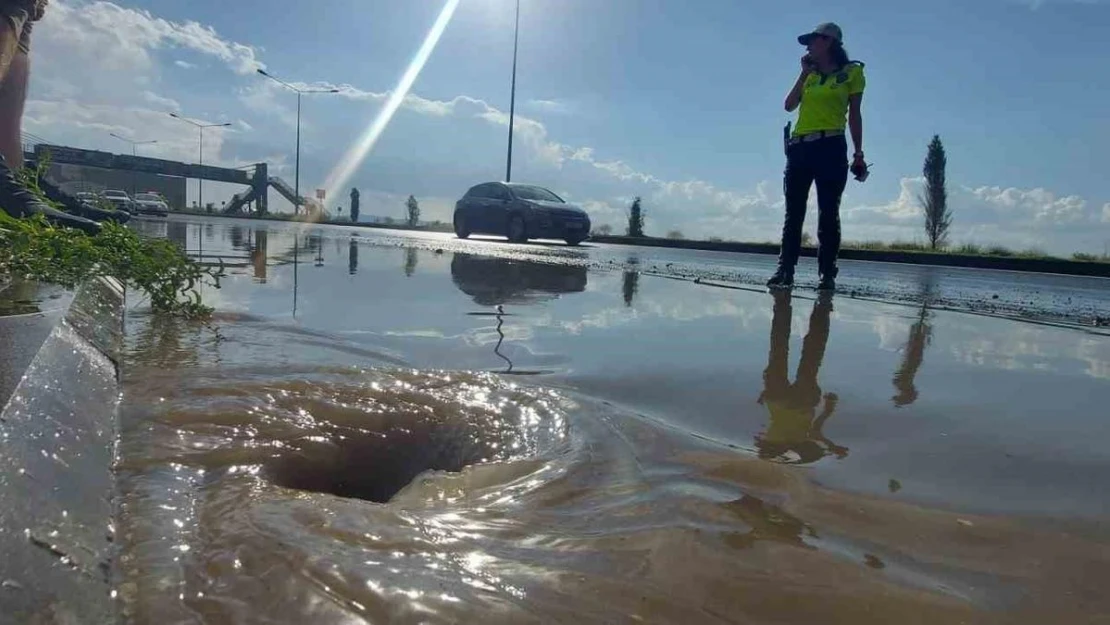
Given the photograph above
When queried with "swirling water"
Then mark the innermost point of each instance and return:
(323, 468)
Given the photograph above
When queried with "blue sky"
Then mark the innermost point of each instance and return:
(678, 102)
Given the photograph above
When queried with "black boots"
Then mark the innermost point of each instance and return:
(783, 279)
(18, 202)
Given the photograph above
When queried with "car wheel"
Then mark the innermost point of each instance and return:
(518, 230)
(572, 241)
(461, 229)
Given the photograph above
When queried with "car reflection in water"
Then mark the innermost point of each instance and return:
(493, 281)
(794, 432)
(497, 281)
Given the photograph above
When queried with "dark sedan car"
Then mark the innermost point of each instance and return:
(519, 212)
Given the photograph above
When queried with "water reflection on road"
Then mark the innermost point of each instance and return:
(645, 469)
(794, 433)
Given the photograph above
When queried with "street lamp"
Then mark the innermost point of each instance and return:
(134, 153)
(201, 127)
(297, 173)
(512, 98)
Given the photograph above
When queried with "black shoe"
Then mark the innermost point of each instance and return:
(827, 283)
(74, 206)
(782, 279)
(18, 202)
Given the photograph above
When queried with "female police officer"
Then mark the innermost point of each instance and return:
(829, 88)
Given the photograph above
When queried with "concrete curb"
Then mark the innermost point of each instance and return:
(57, 445)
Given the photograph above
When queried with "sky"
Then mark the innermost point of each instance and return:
(677, 102)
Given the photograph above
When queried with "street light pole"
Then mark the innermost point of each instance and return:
(200, 180)
(134, 153)
(512, 98)
(297, 167)
(201, 127)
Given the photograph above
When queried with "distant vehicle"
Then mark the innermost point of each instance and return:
(119, 199)
(88, 198)
(151, 204)
(519, 212)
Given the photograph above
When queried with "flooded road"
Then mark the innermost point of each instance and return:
(378, 427)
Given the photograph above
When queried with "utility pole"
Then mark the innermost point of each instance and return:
(512, 98)
(297, 168)
(201, 127)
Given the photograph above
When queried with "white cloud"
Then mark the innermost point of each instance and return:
(184, 64)
(263, 97)
(1011, 216)
(166, 103)
(553, 107)
(1040, 205)
(125, 37)
(1106, 213)
(89, 125)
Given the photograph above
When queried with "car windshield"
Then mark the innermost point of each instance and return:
(148, 197)
(536, 193)
(114, 194)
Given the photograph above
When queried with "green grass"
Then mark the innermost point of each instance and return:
(967, 249)
(1091, 258)
(34, 249)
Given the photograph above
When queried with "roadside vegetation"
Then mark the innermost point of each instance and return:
(934, 199)
(34, 249)
(968, 249)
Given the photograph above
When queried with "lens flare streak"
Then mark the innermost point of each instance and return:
(342, 172)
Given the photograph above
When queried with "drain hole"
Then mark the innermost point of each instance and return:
(374, 467)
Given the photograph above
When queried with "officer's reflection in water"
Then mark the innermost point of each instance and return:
(793, 434)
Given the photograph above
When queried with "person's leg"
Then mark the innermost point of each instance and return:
(796, 182)
(15, 65)
(831, 177)
(15, 200)
(775, 380)
(13, 94)
(813, 351)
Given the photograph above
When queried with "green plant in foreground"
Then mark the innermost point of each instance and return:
(34, 249)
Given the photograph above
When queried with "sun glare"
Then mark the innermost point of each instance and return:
(341, 174)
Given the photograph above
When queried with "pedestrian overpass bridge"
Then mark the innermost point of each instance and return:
(256, 177)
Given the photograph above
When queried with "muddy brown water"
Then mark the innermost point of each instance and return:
(459, 432)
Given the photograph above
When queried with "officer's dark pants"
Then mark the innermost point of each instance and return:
(824, 162)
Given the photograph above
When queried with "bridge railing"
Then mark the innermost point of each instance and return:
(127, 162)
